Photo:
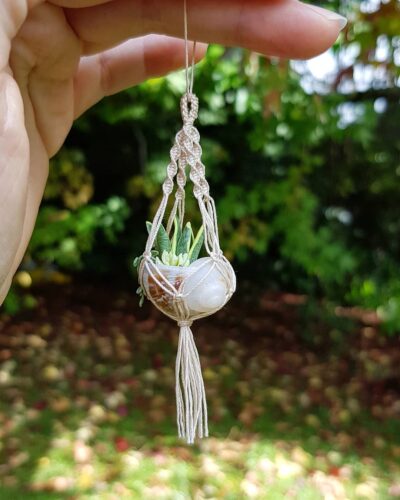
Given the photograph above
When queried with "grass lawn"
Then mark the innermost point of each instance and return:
(297, 410)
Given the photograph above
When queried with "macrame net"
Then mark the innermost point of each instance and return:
(188, 293)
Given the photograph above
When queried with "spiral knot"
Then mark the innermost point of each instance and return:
(189, 108)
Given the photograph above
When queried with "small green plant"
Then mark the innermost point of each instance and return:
(181, 249)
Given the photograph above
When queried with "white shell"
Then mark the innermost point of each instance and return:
(205, 288)
(202, 285)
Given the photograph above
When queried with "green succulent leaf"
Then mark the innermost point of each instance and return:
(178, 229)
(141, 294)
(185, 240)
(176, 236)
(197, 245)
(183, 260)
(162, 241)
(181, 250)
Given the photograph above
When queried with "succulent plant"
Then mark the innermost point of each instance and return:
(181, 249)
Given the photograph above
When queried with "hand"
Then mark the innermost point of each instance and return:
(58, 58)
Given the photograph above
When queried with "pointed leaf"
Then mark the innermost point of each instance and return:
(197, 245)
(162, 240)
(175, 236)
(165, 257)
(183, 245)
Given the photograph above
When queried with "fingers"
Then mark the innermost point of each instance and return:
(76, 4)
(22, 192)
(14, 171)
(44, 71)
(286, 28)
(126, 65)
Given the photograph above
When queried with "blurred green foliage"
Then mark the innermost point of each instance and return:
(65, 233)
(304, 168)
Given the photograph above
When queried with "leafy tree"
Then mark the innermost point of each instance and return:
(305, 169)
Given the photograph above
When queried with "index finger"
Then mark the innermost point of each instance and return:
(285, 28)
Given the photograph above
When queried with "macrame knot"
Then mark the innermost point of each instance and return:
(168, 186)
(184, 323)
(198, 290)
(189, 108)
(216, 255)
(187, 292)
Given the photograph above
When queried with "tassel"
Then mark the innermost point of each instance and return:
(191, 405)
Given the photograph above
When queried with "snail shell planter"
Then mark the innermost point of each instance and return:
(187, 292)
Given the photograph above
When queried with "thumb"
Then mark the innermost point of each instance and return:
(14, 171)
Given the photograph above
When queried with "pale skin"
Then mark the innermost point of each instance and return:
(60, 57)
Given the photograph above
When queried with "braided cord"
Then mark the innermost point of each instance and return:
(187, 151)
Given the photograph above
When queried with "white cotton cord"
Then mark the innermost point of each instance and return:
(168, 288)
(180, 190)
(165, 285)
(180, 195)
(172, 216)
(171, 296)
(157, 221)
(202, 279)
(191, 404)
(188, 71)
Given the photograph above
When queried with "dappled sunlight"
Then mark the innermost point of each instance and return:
(302, 368)
(88, 409)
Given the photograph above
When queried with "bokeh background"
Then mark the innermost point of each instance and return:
(301, 369)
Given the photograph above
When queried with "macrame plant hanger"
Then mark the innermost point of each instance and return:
(188, 293)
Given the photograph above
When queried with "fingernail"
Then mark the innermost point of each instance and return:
(330, 15)
(201, 49)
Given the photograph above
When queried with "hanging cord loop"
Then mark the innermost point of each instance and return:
(189, 70)
(189, 108)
